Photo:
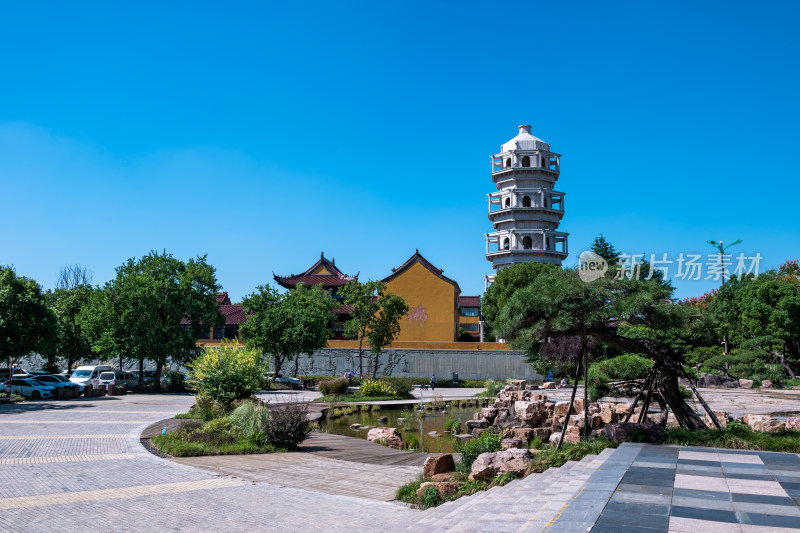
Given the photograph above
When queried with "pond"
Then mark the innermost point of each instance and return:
(415, 428)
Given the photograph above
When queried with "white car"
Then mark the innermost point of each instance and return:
(30, 388)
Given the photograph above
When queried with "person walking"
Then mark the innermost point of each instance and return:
(433, 382)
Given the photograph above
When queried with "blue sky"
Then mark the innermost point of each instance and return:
(263, 133)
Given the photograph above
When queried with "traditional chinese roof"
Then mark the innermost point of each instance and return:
(469, 301)
(417, 258)
(222, 298)
(323, 272)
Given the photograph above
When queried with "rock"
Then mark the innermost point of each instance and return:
(518, 383)
(746, 383)
(488, 465)
(560, 409)
(532, 412)
(608, 412)
(722, 416)
(356, 426)
(489, 413)
(713, 380)
(434, 434)
(542, 433)
(366, 427)
(764, 423)
(507, 444)
(463, 436)
(387, 436)
(549, 385)
(524, 434)
(444, 488)
(672, 422)
(634, 432)
(477, 432)
(438, 464)
(446, 476)
(472, 424)
(622, 410)
(401, 421)
(573, 435)
(594, 408)
(383, 419)
(766, 384)
(555, 437)
(793, 422)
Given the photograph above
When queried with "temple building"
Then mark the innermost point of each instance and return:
(432, 300)
(324, 273)
(234, 316)
(526, 209)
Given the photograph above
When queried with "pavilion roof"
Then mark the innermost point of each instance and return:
(323, 272)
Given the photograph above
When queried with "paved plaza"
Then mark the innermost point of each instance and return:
(80, 464)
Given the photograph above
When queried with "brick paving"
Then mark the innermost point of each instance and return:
(79, 464)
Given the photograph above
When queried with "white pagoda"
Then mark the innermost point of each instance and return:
(526, 209)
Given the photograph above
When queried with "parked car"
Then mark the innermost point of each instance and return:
(294, 383)
(30, 388)
(55, 381)
(108, 378)
(18, 373)
(89, 375)
(131, 379)
(149, 376)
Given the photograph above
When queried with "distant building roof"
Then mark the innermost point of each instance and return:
(222, 298)
(469, 301)
(323, 272)
(233, 313)
(417, 258)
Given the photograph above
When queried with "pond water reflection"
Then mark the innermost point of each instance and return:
(415, 426)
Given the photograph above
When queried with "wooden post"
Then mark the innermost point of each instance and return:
(569, 409)
(646, 402)
(638, 396)
(702, 401)
(585, 354)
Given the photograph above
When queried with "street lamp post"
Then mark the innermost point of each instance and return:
(721, 250)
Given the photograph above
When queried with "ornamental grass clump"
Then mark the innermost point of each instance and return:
(251, 417)
(333, 387)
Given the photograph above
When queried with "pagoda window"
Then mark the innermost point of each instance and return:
(526, 201)
(526, 161)
(508, 202)
(508, 162)
(527, 244)
(505, 244)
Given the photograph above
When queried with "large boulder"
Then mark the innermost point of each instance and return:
(444, 488)
(488, 465)
(387, 436)
(532, 412)
(764, 423)
(722, 416)
(489, 413)
(524, 434)
(472, 424)
(507, 444)
(793, 422)
(745, 383)
(634, 432)
(573, 435)
(608, 413)
(438, 464)
(713, 380)
(766, 384)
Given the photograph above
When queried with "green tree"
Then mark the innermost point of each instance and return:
(505, 284)
(27, 324)
(764, 306)
(557, 304)
(602, 247)
(375, 317)
(285, 325)
(73, 343)
(138, 314)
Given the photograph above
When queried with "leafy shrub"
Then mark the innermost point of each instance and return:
(176, 381)
(493, 388)
(227, 373)
(503, 479)
(430, 497)
(287, 426)
(621, 368)
(333, 387)
(376, 387)
(488, 441)
(452, 425)
(251, 417)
